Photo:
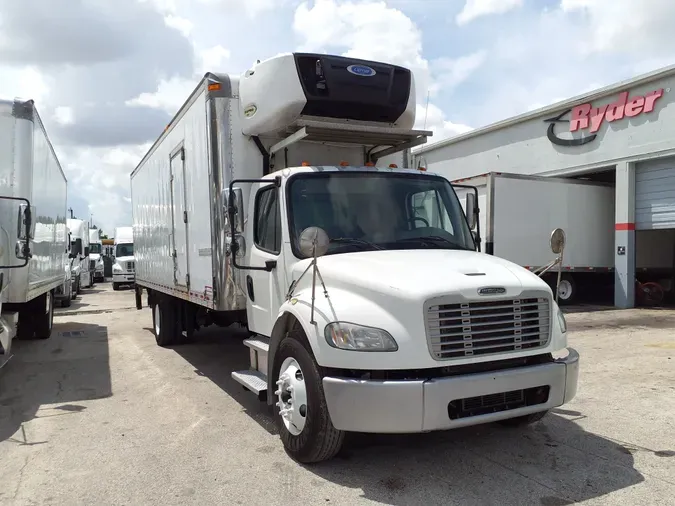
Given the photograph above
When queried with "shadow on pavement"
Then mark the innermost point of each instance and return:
(70, 367)
(551, 463)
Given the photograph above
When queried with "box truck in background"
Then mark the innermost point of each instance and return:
(64, 294)
(270, 201)
(518, 212)
(123, 269)
(79, 244)
(96, 255)
(33, 192)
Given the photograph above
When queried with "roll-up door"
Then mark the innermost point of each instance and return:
(655, 195)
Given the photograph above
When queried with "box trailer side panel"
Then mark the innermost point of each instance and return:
(527, 210)
(171, 206)
(32, 171)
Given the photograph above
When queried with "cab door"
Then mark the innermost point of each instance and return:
(265, 289)
(179, 237)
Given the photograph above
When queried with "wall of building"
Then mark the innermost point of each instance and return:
(524, 147)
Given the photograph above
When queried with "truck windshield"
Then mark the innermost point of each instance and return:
(95, 248)
(366, 211)
(124, 250)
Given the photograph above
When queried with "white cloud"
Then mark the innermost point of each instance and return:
(433, 118)
(478, 8)
(183, 25)
(449, 72)
(213, 58)
(64, 115)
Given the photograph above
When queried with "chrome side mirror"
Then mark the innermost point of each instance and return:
(471, 210)
(233, 204)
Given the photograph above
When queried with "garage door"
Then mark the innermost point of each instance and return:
(655, 195)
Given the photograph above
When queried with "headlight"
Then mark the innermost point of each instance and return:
(117, 268)
(562, 322)
(348, 336)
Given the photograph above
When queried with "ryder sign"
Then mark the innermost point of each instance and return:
(585, 116)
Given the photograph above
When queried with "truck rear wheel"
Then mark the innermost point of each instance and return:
(165, 323)
(304, 423)
(567, 290)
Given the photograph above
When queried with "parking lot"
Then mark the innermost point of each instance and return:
(98, 414)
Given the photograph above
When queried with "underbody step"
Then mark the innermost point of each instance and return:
(254, 381)
(258, 349)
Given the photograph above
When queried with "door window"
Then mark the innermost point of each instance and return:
(267, 219)
(430, 209)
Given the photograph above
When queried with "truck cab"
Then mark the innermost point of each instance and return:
(79, 236)
(124, 269)
(96, 255)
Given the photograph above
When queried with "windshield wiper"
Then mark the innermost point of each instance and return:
(353, 240)
(434, 239)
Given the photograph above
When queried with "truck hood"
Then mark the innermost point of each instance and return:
(421, 274)
(94, 256)
(124, 259)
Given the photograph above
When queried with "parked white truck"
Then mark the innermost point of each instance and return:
(79, 245)
(268, 201)
(32, 208)
(124, 270)
(95, 255)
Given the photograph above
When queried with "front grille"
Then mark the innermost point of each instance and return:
(92, 265)
(501, 401)
(131, 266)
(488, 327)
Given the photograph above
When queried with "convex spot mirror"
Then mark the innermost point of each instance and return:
(471, 210)
(233, 203)
(314, 241)
(557, 241)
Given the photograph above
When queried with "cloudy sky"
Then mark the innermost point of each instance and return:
(107, 75)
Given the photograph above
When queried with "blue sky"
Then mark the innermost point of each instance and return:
(107, 89)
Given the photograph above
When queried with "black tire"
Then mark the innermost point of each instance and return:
(79, 286)
(25, 328)
(44, 320)
(165, 323)
(319, 439)
(521, 421)
(66, 302)
(74, 289)
(116, 286)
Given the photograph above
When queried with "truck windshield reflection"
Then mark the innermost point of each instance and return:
(362, 212)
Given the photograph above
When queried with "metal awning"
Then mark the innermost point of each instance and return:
(392, 140)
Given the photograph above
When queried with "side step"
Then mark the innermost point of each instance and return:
(255, 378)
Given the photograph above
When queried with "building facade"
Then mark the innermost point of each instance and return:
(623, 133)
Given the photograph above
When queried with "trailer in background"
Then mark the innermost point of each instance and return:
(79, 237)
(33, 193)
(124, 264)
(96, 255)
(518, 212)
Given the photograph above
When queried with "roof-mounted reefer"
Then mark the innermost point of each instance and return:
(325, 98)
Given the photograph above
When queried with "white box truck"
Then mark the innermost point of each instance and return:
(95, 255)
(123, 269)
(79, 245)
(518, 213)
(269, 201)
(32, 210)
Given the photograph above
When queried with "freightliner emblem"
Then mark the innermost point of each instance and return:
(491, 290)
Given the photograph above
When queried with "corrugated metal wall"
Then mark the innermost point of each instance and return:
(655, 195)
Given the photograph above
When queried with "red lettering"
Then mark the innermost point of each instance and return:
(597, 115)
(651, 98)
(615, 110)
(634, 107)
(580, 117)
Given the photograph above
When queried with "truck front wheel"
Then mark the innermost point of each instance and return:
(304, 423)
(45, 319)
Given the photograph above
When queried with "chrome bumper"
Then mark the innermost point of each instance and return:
(422, 405)
(124, 277)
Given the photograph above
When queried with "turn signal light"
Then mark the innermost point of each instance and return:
(344, 164)
(393, 166)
